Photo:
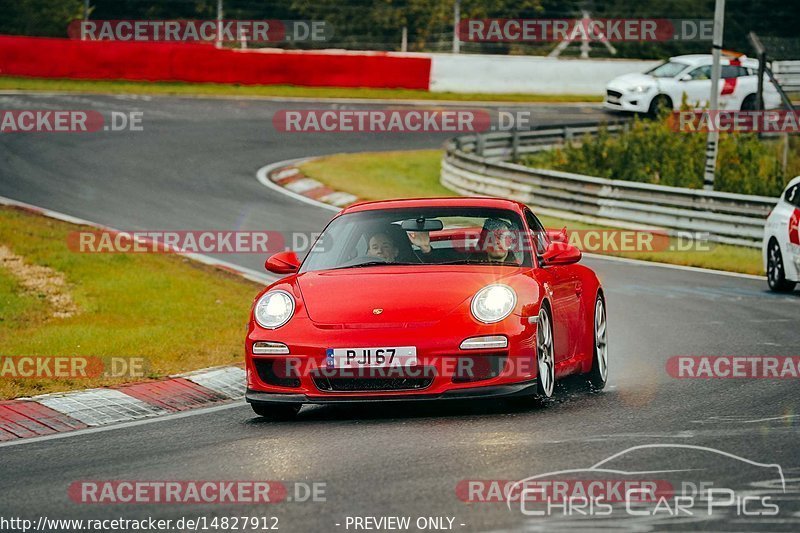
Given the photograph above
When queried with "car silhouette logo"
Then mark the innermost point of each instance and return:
(377, 311)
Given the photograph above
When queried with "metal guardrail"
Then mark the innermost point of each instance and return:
(787, 74)
(477, 165)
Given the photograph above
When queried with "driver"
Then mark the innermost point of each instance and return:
(393, 245)
(382, 246)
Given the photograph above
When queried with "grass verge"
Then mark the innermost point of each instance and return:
(176, 314)
(277, 91)
(381, 175)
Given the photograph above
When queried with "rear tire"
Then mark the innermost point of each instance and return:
(776, 275)
(749, 103)
(276, 411)
(598, 376)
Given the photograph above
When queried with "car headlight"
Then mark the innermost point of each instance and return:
(641, 89)
(493, 303)
(274, 309)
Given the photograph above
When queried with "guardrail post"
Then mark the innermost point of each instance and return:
(480, 144)
(515, 146)
(567, 134)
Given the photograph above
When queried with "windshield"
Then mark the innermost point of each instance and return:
(414, 236)
(668, 69)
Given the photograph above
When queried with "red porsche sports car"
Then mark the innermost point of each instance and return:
(425, 299)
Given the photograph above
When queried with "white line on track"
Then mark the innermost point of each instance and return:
(123, 425)
(247, 273)
(316, 99)
(263, 178)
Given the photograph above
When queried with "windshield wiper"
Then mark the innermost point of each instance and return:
(464, 262)
(375, 263)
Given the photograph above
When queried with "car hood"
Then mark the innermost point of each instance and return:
(627, 82)
(405, 295)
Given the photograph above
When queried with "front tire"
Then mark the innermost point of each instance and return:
(599, 374)
(776, 275)
(545, 360)
(276, 411)
(658, 105)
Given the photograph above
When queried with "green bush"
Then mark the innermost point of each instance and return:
(652, 152)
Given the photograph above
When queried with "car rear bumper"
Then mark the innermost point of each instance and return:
(498, 391)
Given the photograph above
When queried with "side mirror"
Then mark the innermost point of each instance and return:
(558, 235)
(561, 253)
(283, 263)
(685, 77)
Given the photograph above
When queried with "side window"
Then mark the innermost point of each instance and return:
(792, 195)
(733, 71)
(538, 233)
(701, 73)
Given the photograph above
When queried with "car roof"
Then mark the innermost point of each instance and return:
(794, 181)
(704, 59)
(456, 201)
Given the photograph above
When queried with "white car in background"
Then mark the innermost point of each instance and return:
(781, 248)
(664, 86)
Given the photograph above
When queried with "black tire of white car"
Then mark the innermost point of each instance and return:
(658, 105)
(749, 103)
(776, 275)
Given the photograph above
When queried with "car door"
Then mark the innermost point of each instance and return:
(563, 288)
(789, 225)
(696, 85)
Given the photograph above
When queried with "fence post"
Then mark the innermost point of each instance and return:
(514, 145)
(479, 145)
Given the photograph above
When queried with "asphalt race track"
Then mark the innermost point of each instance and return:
(193, 167)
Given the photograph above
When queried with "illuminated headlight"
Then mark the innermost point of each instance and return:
(274, 309)
(493, 303)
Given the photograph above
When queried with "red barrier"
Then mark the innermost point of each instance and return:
(65, 58)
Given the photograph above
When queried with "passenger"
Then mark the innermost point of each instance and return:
(495, 243)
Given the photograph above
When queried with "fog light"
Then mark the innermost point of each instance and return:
(484, 343)
(270, 348)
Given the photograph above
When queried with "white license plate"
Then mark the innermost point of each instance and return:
(403, 356)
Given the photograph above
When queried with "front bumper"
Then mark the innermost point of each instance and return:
(627, 101)
(498, 391)
(302, 376)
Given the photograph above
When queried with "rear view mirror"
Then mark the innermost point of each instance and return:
(422, 224)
